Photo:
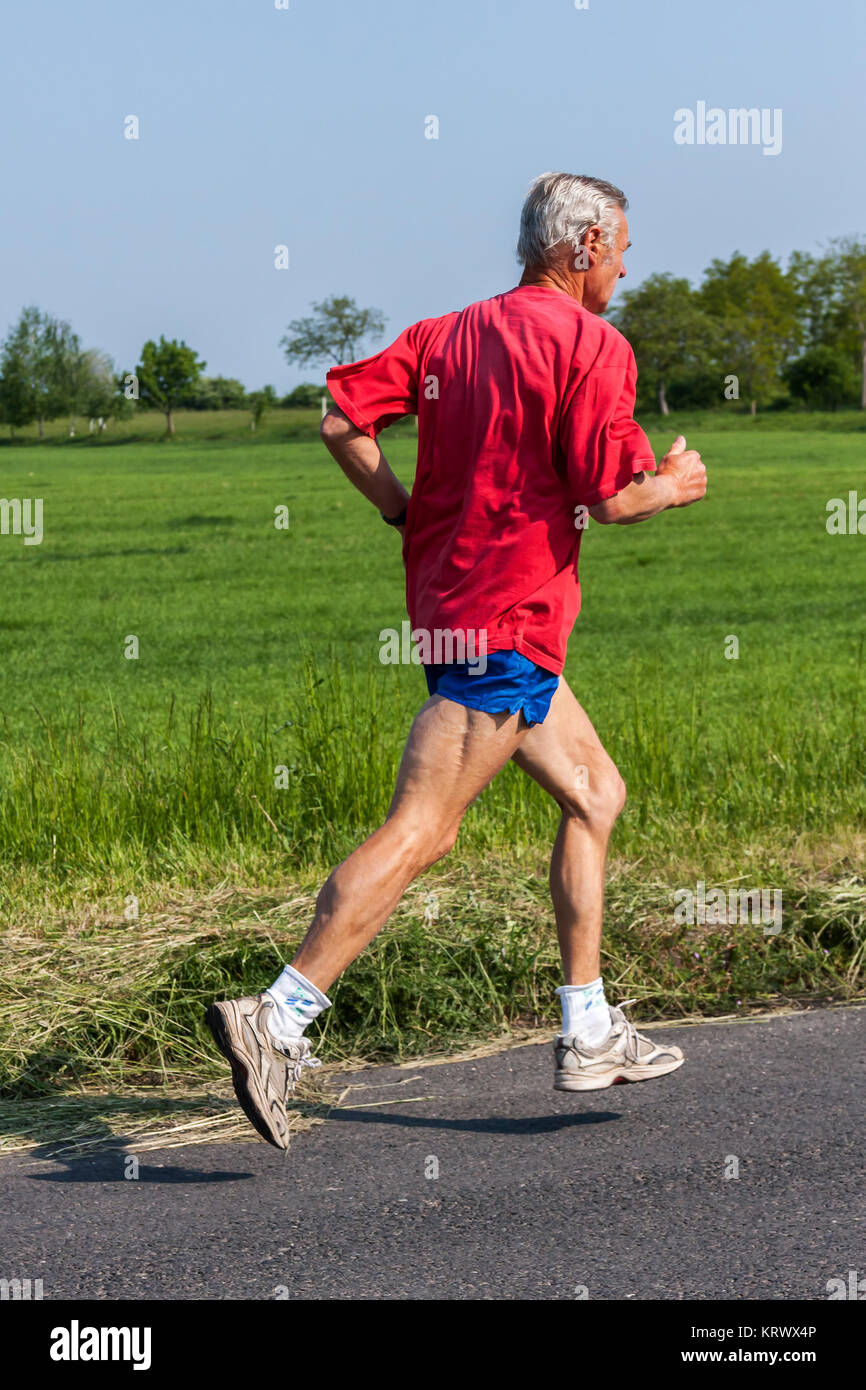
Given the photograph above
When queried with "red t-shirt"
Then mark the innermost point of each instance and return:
(524, 405)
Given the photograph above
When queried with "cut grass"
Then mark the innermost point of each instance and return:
(469, 953)
(134, 1121)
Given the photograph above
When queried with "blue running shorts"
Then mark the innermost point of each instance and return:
(511, 682)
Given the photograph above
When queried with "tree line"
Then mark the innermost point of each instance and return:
(46, 374)
(749, 331)
(753, 331)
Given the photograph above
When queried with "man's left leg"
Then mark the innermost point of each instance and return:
(565, 755)
(598, 1044)
(450, 756)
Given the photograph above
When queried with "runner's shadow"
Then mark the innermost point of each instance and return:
(113, 1162)
(497, 1124)
(90, 1151)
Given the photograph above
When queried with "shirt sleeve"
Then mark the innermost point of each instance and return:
(604, 446)
(380, 389)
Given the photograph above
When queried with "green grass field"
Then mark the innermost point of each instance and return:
(175, 544)
(258, 648)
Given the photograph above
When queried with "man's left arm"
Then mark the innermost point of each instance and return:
(605, 448)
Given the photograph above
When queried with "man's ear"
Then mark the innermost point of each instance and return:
(594, 243)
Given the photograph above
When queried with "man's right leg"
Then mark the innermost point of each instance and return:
(451, 754)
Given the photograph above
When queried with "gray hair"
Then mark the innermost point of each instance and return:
(561, 208)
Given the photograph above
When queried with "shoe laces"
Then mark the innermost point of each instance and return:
(295, 1069)
(632, 1044)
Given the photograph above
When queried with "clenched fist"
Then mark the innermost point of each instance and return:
(685, 471)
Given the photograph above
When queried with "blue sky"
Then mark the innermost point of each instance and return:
(305, 127)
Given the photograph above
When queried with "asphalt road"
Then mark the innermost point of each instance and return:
(539, 1195)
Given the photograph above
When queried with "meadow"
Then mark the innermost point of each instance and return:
(140, 800)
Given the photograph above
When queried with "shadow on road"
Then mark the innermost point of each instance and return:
(114, 1159)
(114, 1162)
(495, 1124)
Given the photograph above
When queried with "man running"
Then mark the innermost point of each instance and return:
(525, 427)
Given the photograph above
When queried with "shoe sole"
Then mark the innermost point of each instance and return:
(613, 1077)
(248, 1091)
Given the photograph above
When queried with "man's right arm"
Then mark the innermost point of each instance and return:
(679, 480)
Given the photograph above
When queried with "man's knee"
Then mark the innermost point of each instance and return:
(424, 843)
(439, 842)
(599, 803)
(445, 841)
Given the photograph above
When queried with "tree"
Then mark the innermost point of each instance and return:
(60, 370)
(44, 373)
(334, 333)
(18, 402)
(78, 369)
(845, 267)
(697, 389)
(814, 282)
(306, 396)
(165, 372)
(215, 393)
(100, 395)
(32, 356)
(87, 385)
(259, 402)
(756, 307)
(663, 321)
(823, 377)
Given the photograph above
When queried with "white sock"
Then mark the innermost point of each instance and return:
(585, 1012)
(296, 1003)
